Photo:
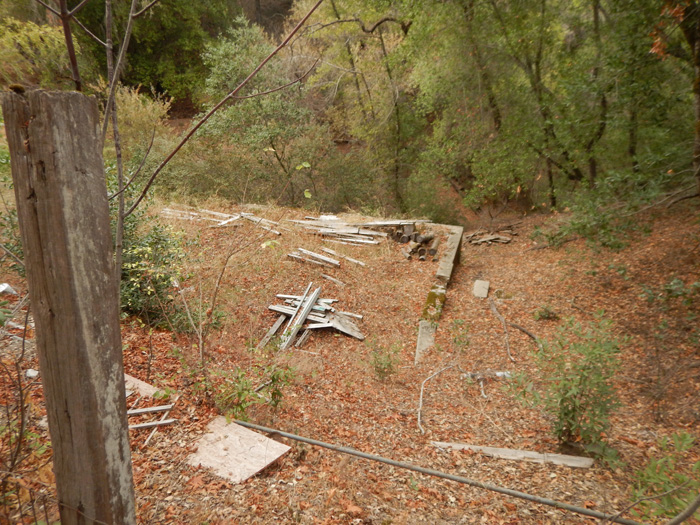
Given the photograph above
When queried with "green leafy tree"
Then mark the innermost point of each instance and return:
(167, 42)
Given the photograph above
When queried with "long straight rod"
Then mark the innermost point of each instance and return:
(437, 473)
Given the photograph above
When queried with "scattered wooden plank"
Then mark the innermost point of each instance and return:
(319, 257)
(271, 332)
(298, 298)
(297, 257)
(298, 320)
(350, 314)
(148, 410)
(426, 339)
(289, 312)
(481, 289)
(521, 455)
(227, 222)
(451, 255)
(345, 325)
(347, 243)
(333, 252)
(136, 385)
(302, 338)
(358, 241)
(333, 279)
(152, 424)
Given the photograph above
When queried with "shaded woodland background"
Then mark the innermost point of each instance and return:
(430, 109)
(580, 115)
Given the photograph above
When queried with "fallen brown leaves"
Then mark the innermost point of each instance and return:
(336, 397)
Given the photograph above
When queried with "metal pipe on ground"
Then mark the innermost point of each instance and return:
(459, 479)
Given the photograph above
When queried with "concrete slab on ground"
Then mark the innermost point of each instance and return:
(234, 452)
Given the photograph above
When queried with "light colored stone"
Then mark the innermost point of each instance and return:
(426, 338)
(234, 452)
(481, 289)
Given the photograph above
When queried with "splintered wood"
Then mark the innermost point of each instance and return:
(308, 312)
(501, 235)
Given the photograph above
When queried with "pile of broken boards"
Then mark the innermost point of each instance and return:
(501, 235)
(305, 313)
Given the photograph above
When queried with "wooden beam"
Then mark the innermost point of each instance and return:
(271, 332)
(299, 319)
(58, 175)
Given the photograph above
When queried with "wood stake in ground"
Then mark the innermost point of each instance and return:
(58, 175)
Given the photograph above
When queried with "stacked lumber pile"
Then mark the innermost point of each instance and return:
(357, 233)
(482, 236)
(420, 244)
(334, 230)
(307, 312)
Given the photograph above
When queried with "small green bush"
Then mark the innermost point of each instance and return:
(576, 389)
(384, 362)
(546, 313)
(663, 475)
(152, 264)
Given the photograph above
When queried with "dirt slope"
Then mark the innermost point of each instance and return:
(337, 397)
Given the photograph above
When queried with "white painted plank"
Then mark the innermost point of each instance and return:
(522, 455)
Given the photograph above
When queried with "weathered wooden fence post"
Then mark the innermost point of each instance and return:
(56, 158)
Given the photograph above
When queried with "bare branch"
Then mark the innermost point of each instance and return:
(404, 25)
(280, 88)
(142, 11)
(646, 498)
(78, 7)
(65, 22)
(47, 6)
(120, 59)
(422, 388)
(687, 513)
(16, 259)
(90, 33)
(138, 170)
(218, 106)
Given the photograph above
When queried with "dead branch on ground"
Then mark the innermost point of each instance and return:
(422, 389)
(495, 311)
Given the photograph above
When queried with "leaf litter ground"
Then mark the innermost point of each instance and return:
(337, 397)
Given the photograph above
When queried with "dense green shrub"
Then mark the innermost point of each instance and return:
(666, 485)
(575, 383)
(36, 54)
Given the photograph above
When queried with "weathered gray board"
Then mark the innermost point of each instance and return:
(233, 452)
(521, 455)
(450, 257)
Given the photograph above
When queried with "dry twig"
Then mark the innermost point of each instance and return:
(495, 311)
(422, 388)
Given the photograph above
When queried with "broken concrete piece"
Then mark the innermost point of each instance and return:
(481, 289)
(426, 338)
(451, 254)
(234, 452)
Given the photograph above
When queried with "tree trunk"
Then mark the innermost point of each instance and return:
(58, 175)
(696, 103)
(691, 30)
